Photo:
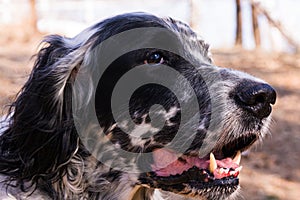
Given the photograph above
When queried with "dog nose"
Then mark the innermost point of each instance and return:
(256, 98)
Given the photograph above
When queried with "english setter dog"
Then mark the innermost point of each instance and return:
(178, 135)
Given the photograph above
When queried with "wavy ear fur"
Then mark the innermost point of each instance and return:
(41, 137)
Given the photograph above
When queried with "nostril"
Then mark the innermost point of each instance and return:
(260, 98)
(256, 98)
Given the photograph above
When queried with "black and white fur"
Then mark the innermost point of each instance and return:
(41, 154)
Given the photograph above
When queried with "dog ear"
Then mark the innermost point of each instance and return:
(41, 137)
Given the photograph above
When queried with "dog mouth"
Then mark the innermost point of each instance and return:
(191, 175)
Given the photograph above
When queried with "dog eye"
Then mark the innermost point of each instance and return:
(154, 58)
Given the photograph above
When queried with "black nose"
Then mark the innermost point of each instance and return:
(256, 98)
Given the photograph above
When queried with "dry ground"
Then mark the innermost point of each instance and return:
(272, 169)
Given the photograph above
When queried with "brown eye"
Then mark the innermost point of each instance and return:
(154, 58)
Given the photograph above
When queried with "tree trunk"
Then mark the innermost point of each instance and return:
(255, 26)
(279, 27)
(238, 37)
(33, 16)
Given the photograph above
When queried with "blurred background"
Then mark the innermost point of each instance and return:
(259, 37)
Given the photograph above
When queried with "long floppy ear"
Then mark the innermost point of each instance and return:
(41, 137)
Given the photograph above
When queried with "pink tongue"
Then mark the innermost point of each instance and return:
(166, 163)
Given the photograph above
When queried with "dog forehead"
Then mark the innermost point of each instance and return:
(194, 46)
(193, 43)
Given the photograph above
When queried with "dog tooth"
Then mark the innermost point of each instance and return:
(237, 158)
(224, 170)
(213, 163)
(239, 168)
(221, 171)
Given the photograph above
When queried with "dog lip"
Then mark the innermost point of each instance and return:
(217, 168)
(167, 162)
(194, 178)
(239, 144)
(188, 171)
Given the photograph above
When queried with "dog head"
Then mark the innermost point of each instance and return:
(141, 96)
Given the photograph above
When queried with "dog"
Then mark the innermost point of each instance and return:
(179, 134)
